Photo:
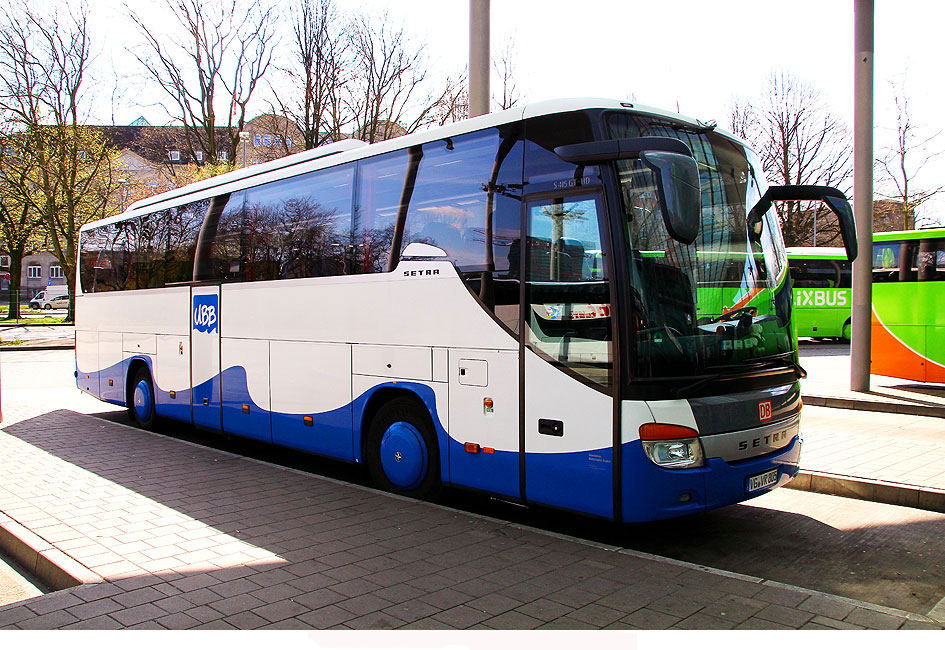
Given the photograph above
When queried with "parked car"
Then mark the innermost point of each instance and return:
(50, 300)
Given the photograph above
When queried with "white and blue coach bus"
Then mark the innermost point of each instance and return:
(511, 304)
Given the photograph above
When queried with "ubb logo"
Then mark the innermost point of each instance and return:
(205, 313)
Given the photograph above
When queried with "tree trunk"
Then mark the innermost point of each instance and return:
(16, 276)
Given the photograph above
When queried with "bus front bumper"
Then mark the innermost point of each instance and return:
(651, 492)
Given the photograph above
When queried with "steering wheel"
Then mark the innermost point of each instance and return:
(731, 315)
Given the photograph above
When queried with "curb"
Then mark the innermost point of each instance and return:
(51, 566)
(896, 494)
(867, 405)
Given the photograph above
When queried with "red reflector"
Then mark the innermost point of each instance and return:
(488, 450)
(658, 431)
(472, 447)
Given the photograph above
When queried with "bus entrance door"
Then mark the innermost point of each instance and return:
(205, 356)
(569, 430)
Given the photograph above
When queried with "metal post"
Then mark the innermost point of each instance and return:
(862, 194)
(478, 57)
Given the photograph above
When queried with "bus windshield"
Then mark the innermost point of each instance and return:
(722, 304)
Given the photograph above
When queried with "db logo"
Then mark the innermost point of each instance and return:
(764, 411)
(205, 313)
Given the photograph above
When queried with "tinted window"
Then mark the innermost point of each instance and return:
(298, 227)
(911, 260)
(109, 256)
(182, 229)
(567, 293)
(467, 200)
(821, 274)
(149, 263)
(544, 171)
(381, 185)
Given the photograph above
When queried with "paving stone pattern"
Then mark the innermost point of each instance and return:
(185, 537)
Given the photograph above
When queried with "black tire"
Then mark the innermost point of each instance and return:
(398, 416)
(144, 418)
(47, 306)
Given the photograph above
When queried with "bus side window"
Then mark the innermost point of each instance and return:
(298, 227)
(381, 181)
(183, 227)
(466, 200)
(931, 260)
(568, 300)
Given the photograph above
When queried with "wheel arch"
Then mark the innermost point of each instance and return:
(424, 399)
(133, 365)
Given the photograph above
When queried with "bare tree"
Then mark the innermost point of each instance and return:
(504, 67)
(224, 49)
(800, 143)
(43, 61)
(902, 162)
(390, 93)
(317, 75)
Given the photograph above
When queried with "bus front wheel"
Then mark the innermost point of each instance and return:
(402, 454)
(847, 331)
(141, 405)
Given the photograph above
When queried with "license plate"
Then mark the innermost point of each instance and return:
(761, 481)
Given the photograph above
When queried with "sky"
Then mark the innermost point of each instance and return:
(694, 57)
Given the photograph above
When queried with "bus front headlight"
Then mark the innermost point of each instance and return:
(674, 454)
(672, 446)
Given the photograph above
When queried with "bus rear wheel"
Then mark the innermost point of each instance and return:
(141, 404)
(402, 454)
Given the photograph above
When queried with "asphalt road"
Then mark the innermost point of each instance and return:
(888, 555)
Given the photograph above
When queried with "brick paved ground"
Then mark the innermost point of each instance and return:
(905, 449)
(178, 536)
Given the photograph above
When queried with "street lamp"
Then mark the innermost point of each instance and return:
(244, 136)
(122, 184)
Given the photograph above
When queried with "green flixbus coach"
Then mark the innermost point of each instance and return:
(908, 310)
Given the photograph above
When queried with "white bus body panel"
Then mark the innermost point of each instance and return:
(476, 376)
(311, 379)
(581, 454)
(389, 309)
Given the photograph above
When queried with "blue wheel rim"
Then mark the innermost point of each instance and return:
(142, 401)
(404, 456)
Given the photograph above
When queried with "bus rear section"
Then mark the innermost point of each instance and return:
(908, 321)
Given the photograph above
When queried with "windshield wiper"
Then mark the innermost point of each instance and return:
(682, 391)
(764, 362)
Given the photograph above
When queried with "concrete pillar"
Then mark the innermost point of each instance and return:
(862, 194)
(478, 57)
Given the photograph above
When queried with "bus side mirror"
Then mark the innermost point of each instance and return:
(673, 166)
(841, 207)
(677, 182)
(832, 197)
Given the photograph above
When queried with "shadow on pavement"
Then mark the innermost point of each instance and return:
(302, 518)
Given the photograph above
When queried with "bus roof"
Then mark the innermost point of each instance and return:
(350, 150)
